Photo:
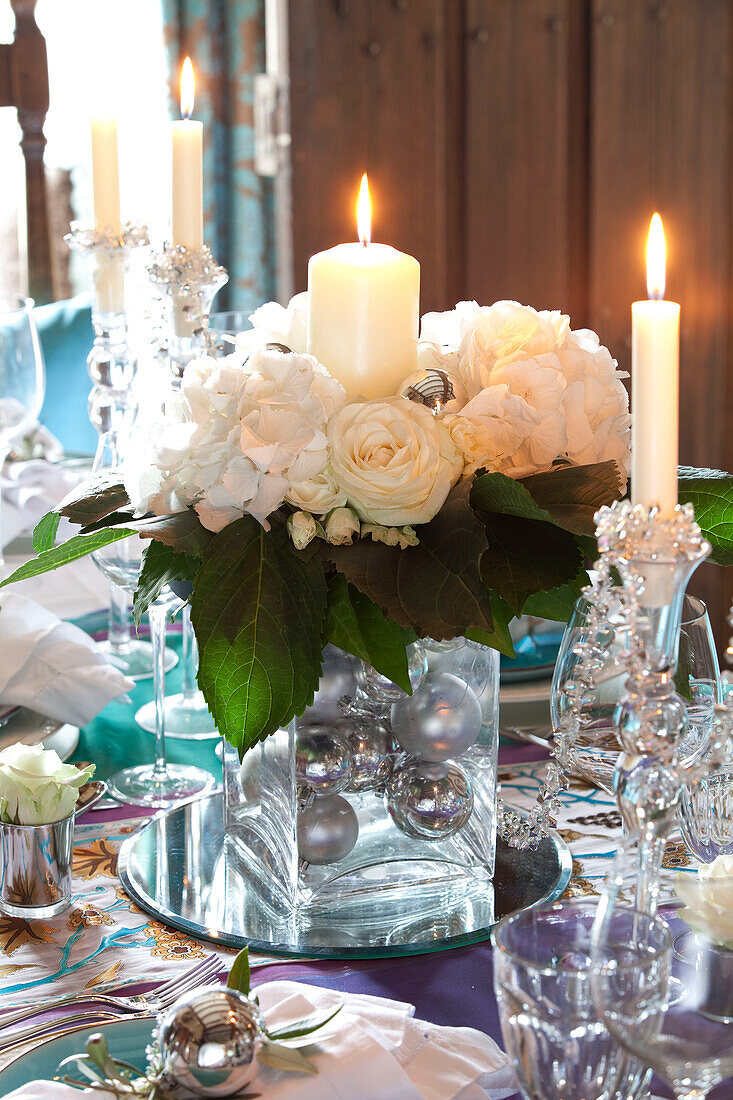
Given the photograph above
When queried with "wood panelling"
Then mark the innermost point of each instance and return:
(376, 87)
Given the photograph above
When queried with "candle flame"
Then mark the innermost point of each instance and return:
(364, 212)
(187, 88)
(656, 259)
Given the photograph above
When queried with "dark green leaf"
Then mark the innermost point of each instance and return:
(160, 565)
(239, 975)
(434, 588)
(258, 609)
(306, 1026)
(573, 494)
(557, 603)
(499, 493)
(499, 637)
(44, 535)
(356, 624)
(100, 495)
(71, 550)
(711, 493)
(182, 531)
(525, 557)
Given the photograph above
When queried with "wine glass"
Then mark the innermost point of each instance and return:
(22, 376)
(593, 742)
(664, 992)
(120, 563)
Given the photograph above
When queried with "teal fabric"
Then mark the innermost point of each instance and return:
(226, 42)
(65, 329)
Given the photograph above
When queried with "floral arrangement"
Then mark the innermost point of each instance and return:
(300, 517)
(36, 787)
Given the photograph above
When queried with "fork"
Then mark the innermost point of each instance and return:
(151, 1002)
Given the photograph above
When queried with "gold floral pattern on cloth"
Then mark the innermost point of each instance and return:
(95, 859)
(106, 977)
(16, 932)
(87, 916)
(173, 945)
(676, 855)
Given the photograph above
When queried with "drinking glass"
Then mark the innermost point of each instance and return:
(594, 747)
(550, 1026)
(22, 376)
(665, 994)
(120, 563)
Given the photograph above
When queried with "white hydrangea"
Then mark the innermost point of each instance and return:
(276, 324)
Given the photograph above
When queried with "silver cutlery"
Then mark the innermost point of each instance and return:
(537, 735)
(55, 1029)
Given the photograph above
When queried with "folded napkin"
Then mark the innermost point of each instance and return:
(51, 666)
(29, 490)
(373, 1050)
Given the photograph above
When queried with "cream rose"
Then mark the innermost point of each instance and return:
(36, 787)
(393, 459)
(708, 900)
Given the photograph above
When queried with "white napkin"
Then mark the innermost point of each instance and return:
(373, 1050)
(29, 490)
(51, 666)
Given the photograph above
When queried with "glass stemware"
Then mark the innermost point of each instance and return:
(550, 1025)
(120, 563)
(22, 376)
(664, 993)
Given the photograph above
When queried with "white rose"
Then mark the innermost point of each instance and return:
(391, 536)
(341, 527)
(276, 324)
(36, 787)
(502, 331)
(318, 495)
(302, 529)
(393, 459)
(708, 900)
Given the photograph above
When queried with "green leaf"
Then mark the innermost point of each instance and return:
(239, 975)
(711, 493)
(683, 670)
(306, 1026)
(44, 535)
(97, 497)
(573, 494)
(71, 550)
(557, 603)
(182, 531)
(435, 588)
(258, 608)
(356, 624)
(525, 557)
(499, 637)
(160, 565)
(499, 493)
(279, 1056)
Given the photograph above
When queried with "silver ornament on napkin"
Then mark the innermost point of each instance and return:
(209, 1041)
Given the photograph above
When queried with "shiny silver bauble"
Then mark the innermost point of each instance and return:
(380, 689)
(209, 1041)
(428, 801)
(437, 389)
(322, 759)
(368, 741)
(441, 720)
(336, 681)
(327, 830)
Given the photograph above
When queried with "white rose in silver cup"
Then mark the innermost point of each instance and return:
(36, 787)
(708, 900)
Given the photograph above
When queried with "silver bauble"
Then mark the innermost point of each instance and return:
(368, 742)
(336, 681)
(435, 388)
(322, 759)
(428, 801)
(442, 719)
(209, 1041)
(380, 689)
(327, 830)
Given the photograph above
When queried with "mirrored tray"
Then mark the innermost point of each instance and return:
(176, 868)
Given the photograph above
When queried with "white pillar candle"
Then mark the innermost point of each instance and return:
(187, 221)
(655, 334)
(109, 274)
(364, 312)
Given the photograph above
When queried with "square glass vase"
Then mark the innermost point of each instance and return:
(375, 808)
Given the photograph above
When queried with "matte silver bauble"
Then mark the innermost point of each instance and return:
(336, 681)
(368, 742)
(428, 801)
(441, 720)
(437, 389)
(327, 830)
(322, 759)
(209, 1041)
(380, 689)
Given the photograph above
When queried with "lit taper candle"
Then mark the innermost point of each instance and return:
(364, 311)
(655, 355)
(187, 221)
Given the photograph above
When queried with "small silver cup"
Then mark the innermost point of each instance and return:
(35, 868)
